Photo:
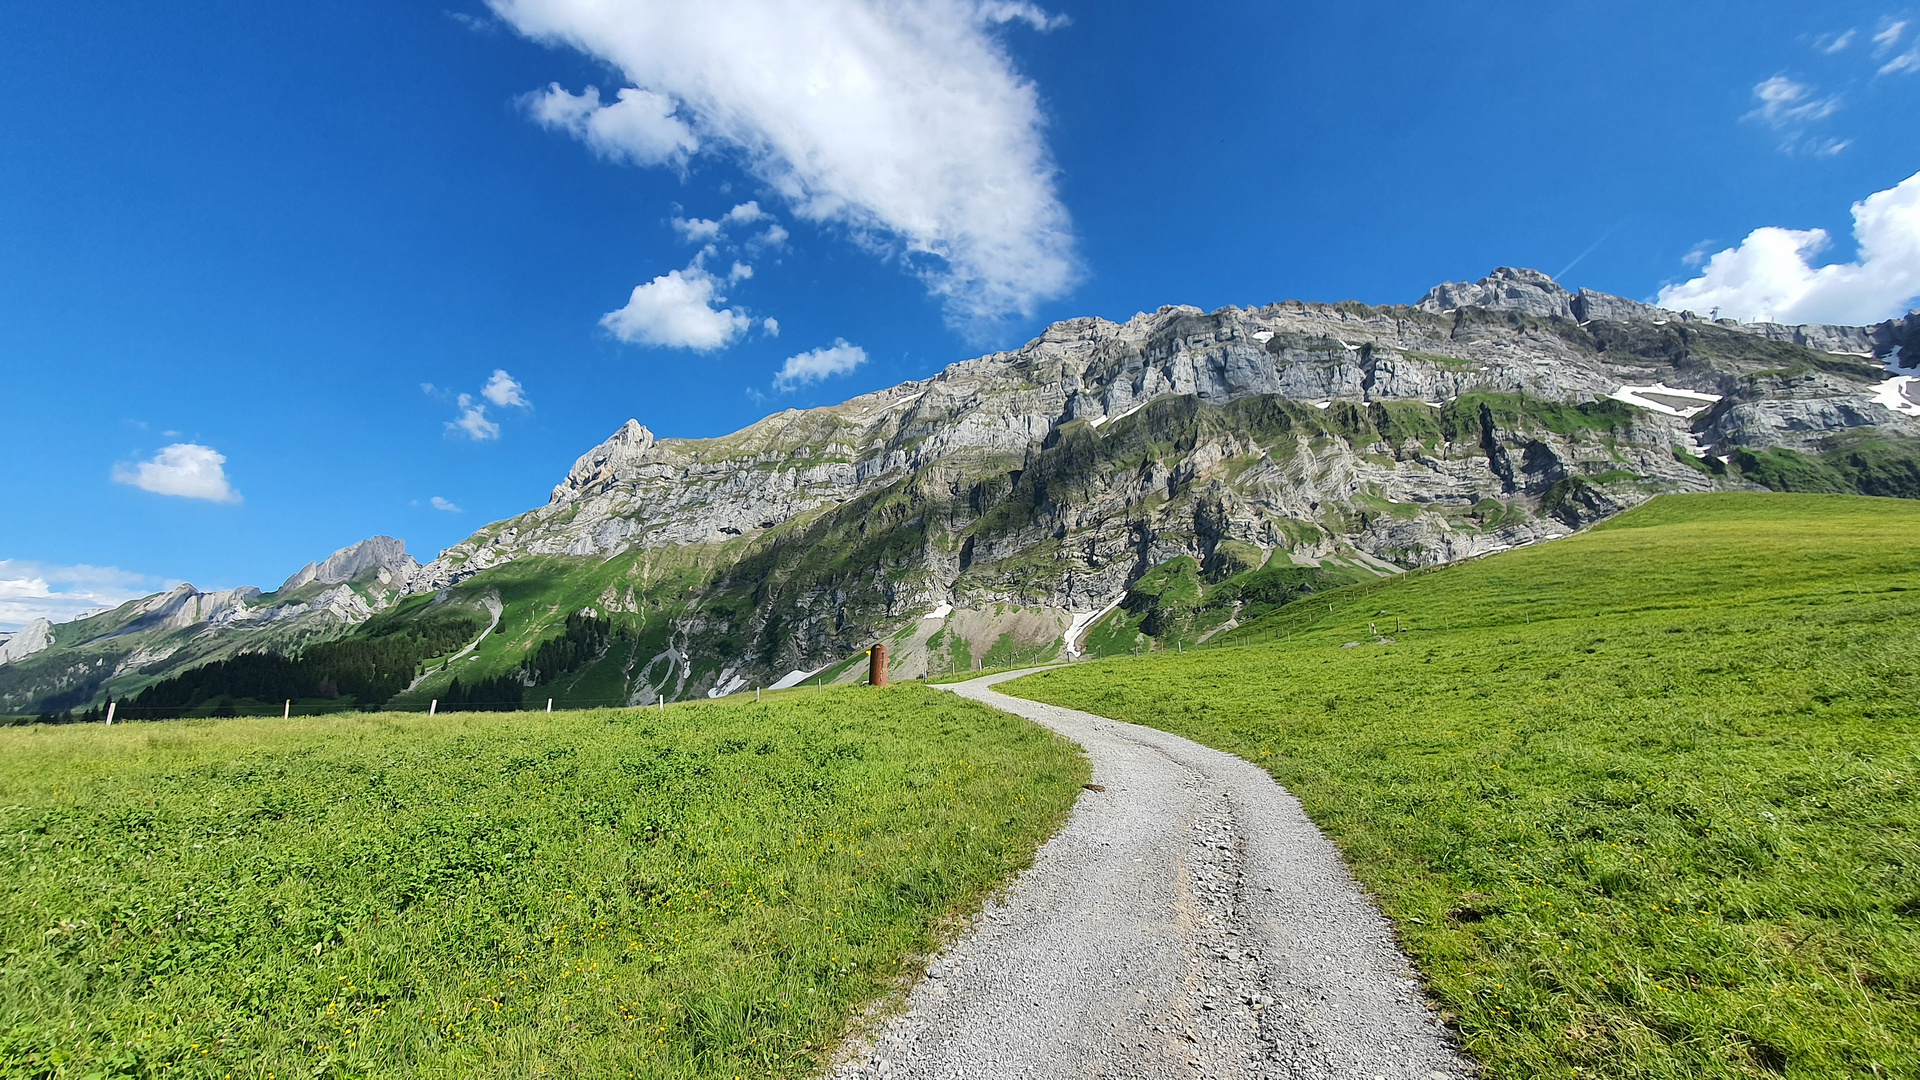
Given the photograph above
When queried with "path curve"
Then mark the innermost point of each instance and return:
(1188, 921)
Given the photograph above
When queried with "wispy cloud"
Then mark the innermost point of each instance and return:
(1784, 103)
(1888, 37)
(1792, 108)
(1770, 276)
(186, 470)
(904, 123)
(817, 364)
(473, 420)
(501, 389)
(33, 590)
(445, 505)
(1835, 43)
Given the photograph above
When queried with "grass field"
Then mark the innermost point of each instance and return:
(709, 891)
(1641, 802)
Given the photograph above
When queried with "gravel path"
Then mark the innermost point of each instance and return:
(1188, 921)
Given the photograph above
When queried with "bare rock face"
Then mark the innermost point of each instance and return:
(1506, 289)
(34, 637)
(374, 553)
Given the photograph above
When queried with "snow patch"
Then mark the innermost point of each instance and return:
(1122, 416)
(1900, 393)
(1662, 398)
(794, 678)
(940, 612)
(1083, 619)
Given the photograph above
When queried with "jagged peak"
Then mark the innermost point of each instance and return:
(374, 553)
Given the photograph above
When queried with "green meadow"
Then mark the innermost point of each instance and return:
(712, 890)
(1640, 803)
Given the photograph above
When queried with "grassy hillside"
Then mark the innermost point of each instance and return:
(1641, 802)
(708, 891)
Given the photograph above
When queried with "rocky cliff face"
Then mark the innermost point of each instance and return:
(384, 555)
(34, 637)
(989, 512)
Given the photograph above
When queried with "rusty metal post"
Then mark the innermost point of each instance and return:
(877, 665)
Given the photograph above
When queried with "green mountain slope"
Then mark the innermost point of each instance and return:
(1641, 802)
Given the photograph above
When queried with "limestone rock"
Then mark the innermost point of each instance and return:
(376, 553)
(36, 636)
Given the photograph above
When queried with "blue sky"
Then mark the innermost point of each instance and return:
(292, 237)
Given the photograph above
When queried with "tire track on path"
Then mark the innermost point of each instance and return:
(1188, 921)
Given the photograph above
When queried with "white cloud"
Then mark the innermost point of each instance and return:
(697, 230)
(32, 590)
(707, 230)
(504, 390)
(1784, 103)
(903, 121)
(188, 470)
(740, 272)
(770, 326)
(638, 127)
(677, 310)
(1004, 11)
(1834, 43)
(1770, 276)
(1906, 61)
(446, 505)
(817, 364)
(1889, 36)
(473, 421)
(774, 238)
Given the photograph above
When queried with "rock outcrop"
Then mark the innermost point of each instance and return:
(36, 636)
(383, 554)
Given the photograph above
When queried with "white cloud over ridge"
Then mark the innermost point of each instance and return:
(817, 364)
(1770, 276)
(32, 590)
(904, 122)
(677, 310)
(186, 470)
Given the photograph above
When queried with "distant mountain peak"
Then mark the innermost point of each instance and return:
(374, 553)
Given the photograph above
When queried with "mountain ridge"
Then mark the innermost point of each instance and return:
(1287, 446)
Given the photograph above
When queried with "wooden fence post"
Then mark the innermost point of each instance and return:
(877, 665)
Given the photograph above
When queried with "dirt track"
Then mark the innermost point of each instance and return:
(1188, 921)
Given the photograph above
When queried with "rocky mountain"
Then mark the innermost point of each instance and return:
(51, 668)
(34, 637)
(1113, 486)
